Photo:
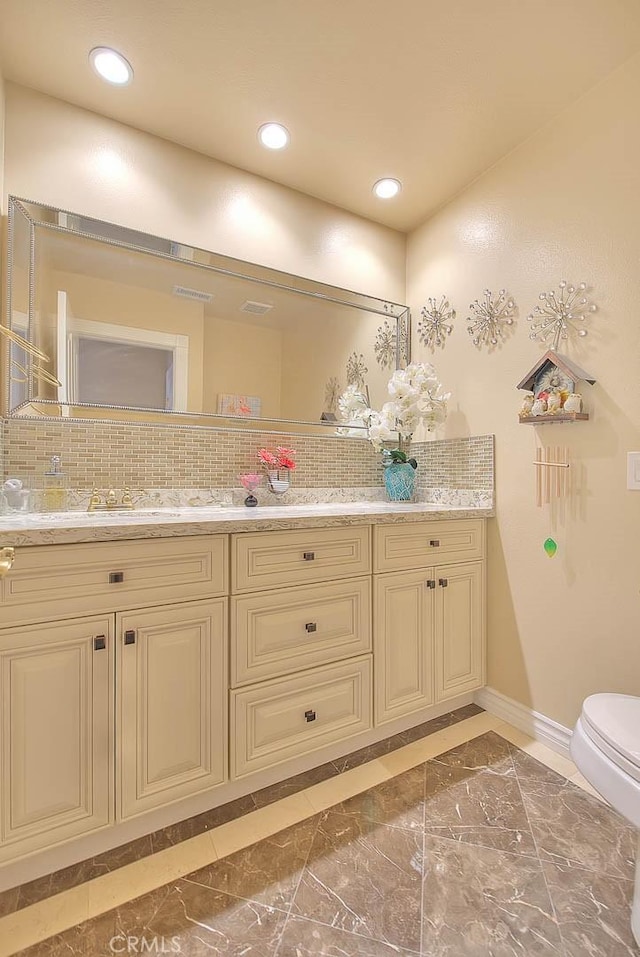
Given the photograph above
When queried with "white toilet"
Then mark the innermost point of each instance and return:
(606, 748)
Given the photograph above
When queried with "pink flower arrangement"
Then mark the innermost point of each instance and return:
(281, 458)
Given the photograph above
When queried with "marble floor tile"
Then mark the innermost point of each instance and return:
(370, 753)
(398, 802)
(365, 878)
(267, 872)
(571, 826)
(479, 851)
(307, 938)
(592, 911)
(299, 782)
(204, 922)
(192, 826)
(9, 901)
(472, 795)
(183, 918)
(479, 902)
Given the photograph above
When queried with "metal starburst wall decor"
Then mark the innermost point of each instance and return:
(385, 346)
(490, 317)
(356, 369)
(561, 314)
(435, 325)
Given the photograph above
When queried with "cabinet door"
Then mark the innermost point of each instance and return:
(56, 742)
(459, 629)
(171, 703)
(403, 643)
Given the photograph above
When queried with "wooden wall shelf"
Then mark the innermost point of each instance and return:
(549, 419)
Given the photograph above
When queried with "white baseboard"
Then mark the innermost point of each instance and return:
(544, 729)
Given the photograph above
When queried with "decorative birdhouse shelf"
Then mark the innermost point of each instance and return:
(552, 382)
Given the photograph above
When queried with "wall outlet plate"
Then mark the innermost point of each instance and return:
(633, 470)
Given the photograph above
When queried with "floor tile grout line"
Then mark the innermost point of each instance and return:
(540, 861)
(295, 890)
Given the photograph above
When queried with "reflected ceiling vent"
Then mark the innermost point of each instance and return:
(196, 294)
(255, 308)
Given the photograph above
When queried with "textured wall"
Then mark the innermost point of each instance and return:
(564, 205)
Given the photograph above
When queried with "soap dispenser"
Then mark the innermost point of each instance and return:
(54, 494)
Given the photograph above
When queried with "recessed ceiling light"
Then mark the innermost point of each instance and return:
(274, 136)
(387, 188)
(111, 66)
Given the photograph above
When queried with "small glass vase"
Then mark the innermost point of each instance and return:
(400, 481)
(279, 480)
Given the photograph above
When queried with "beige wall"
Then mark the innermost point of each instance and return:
(59, 154)
(566, 204)
(257, 373)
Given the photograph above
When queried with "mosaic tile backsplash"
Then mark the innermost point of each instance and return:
(160, 457)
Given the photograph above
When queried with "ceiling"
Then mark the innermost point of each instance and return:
(432, 92)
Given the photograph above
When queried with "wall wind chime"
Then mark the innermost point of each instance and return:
(552, 477)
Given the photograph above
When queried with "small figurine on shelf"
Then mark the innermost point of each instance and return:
(527, 404)
(554, 402)
(250, 481)
(539, 406)
(573, 402)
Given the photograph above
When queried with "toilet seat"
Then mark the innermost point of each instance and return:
(612, 721)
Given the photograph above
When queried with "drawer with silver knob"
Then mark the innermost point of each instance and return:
(276, 633)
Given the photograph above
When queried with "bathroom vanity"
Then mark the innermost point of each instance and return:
(155, 666)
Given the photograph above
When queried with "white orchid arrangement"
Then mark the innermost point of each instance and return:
(417, 398)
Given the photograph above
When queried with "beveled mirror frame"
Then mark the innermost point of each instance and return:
(43, 216)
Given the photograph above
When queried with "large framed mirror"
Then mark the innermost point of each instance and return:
(109, 323)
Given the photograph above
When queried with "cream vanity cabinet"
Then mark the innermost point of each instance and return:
(301, 663)
(429, 614)
(112, 703)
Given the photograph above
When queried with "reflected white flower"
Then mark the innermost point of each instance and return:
(353, 405)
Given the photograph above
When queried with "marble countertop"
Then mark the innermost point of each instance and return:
(58, 528)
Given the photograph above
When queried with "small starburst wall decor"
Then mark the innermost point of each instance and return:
(490, 318)
(356, 370)
(561, 314)
(332, 391)
(385, 346)
(435, 325)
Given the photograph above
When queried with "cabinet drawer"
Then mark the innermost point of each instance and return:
(275, 633)
(275, 559)
(287, 717)
(60, 581)
(400, 547)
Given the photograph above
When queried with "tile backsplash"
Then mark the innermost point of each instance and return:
(165, 457)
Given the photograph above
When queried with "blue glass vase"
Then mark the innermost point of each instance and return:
(400, 480)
